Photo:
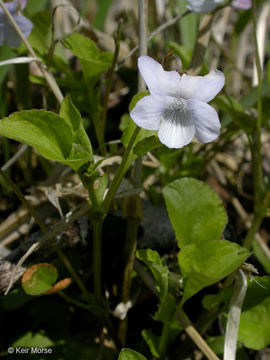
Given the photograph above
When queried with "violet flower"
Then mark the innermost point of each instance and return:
(242, 4)
(199, 6)
(7, 32)
(177, 105)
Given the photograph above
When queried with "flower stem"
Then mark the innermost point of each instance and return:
(142, 16)
(259, 209)
(123, 167)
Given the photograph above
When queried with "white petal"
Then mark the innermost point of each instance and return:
(177, 127)
(148, 111)
(207, 125)
(203, 88)
(158, 80)
(203, 5)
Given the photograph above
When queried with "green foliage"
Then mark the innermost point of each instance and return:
(57, 138)
(210, 301)
(141, 144)
(261, 256)
(103, 7)
(254, 330)
(195, 211)
(34, 6)
(167, 306)
(128, 354)
(161, 273)
(15, 299)
(136, 98)
(80, 140)
(5, 53)
(33, 339)
(152, 340)
(233, 108)
(146, 140)
(207, 262)
(188, 26)
(40, 40)
(93, 62)
(268, 72)
(147, 144)
(38, 279)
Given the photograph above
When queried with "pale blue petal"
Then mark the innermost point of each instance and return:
(25, 24)
(11, 6)
(10, 35)
(177, 126)
(203, 88)
(207, 124)
(242, 4)
(148, 111)
(158, 80)
(203, 5)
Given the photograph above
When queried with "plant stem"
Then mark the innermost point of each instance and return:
(120, 172)
(201, 44)
(195, 336)
(142, 16)
(257, 162)
(97, 225)
(102, 318)
(109, 84)
(252, 231)
(97, 258)
(259, 210)
(72, 272)
(47, 75)
(163, 342)
(131, 245)
(73, 301)
(152, 35)
(134, 206)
